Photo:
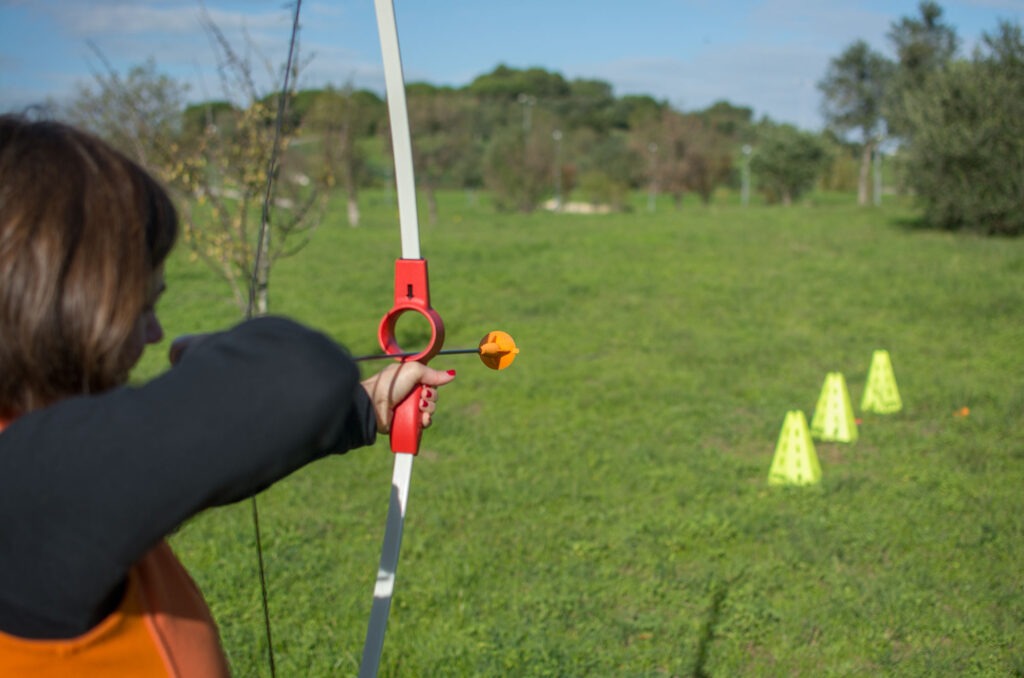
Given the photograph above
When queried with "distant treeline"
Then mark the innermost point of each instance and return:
(953, 127)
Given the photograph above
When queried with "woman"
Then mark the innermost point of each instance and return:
(93, 473)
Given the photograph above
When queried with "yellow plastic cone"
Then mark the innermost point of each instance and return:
(795, 461)
(880, 393)
(833, 417)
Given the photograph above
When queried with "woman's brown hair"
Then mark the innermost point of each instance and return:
(82, 230)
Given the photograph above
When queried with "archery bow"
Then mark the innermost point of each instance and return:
(411, 295)
(497, 350)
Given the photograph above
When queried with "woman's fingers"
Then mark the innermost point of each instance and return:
(391, 385)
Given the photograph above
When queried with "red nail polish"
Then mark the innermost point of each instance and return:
(451, 373)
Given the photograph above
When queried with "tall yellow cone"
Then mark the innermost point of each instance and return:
(833, 417)
(880, 393)
(795, 461)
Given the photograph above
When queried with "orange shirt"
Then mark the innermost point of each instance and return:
(161, 628)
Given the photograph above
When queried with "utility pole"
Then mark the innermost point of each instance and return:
(745, 189)
(878, 177)
(652, 191)
(557, 136)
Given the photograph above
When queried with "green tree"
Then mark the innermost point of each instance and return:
(441, 122)
(965, 159)
(606, 166)
(923, 45)
(729, 121)
(787, 162)
(844, 159)
(669, 143)
(636, 111)
(854, 89)
(589, 103)
(681, 153)
(506, 83)
(519, 162)
(197, 117)
(340, 120)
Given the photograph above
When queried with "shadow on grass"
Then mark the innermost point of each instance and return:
(920, 224)
(914, 223)
(708, 632)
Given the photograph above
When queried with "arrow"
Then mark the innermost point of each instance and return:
(497, 350)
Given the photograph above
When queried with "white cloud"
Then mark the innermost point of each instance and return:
(100, 17)
(171, 31)
(116, 17)
(775, 80)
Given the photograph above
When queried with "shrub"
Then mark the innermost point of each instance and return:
(597, 188)
(966, 154)
(787, 163)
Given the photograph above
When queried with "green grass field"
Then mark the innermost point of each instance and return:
(601, 508)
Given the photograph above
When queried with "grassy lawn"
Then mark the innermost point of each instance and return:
(601, 508)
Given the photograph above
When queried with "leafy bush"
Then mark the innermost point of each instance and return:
(517, 173)
(966, 155)
(787, 162)
(597, 188)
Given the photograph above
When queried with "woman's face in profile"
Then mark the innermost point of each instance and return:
(147, 327)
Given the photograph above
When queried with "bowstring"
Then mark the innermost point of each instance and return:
(262, 245)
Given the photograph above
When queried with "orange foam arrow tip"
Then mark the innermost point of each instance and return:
(498, 350)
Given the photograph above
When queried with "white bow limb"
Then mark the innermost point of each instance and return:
(405, 186)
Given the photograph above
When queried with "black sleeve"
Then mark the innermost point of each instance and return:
(89, 484)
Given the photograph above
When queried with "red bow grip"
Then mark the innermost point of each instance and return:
(412, 294)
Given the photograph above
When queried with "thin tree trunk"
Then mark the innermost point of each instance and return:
(351, 188)
(262, 282)
(865, 174)
(353, 207)
(431, 204)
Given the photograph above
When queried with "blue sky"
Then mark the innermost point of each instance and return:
(766, 54)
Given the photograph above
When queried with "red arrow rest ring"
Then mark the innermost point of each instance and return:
(412, 293)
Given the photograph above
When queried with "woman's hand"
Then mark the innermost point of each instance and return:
(390, 386)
